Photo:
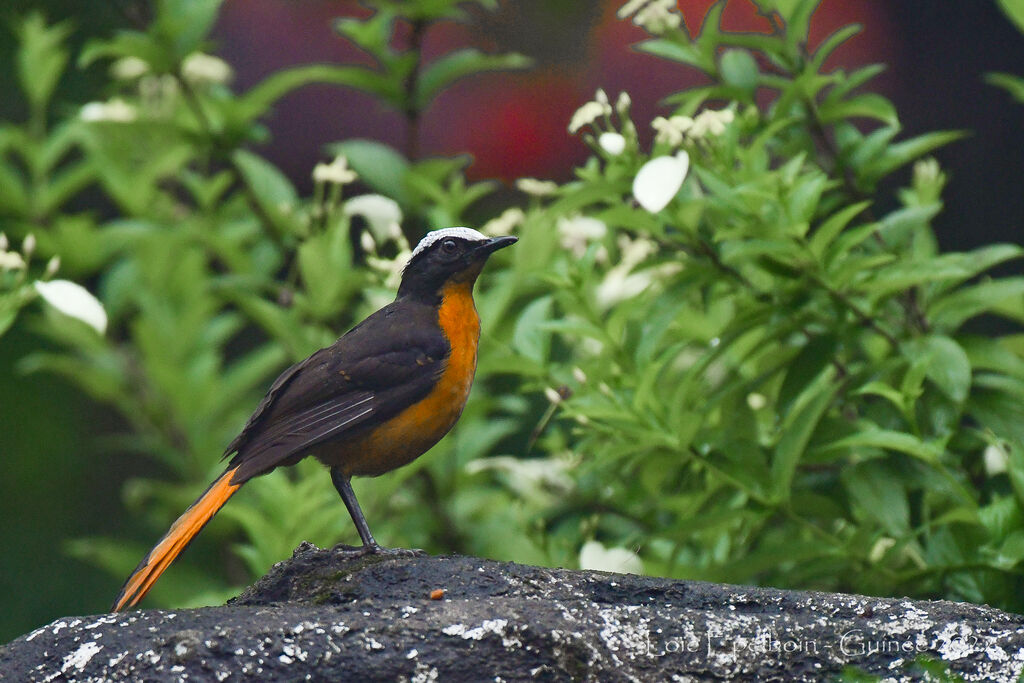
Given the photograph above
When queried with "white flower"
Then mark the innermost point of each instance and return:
(128, 68)
(658, 181)
(114, 111)
(623, 104)
(711, 121)
(630, 7)
(11, 260)
(28, 245)
(575, 233)
(504, 224)
(537, 188)
(367, 242)
(535, 478)
(52, 266)
(880, 548)
(657, 16)
(620, 282)
(75, 301)
(671, 130)
(579, 375)
(593, 555)
(383, 215)
(756, 401)
(552, 395)
(336, 172)
(590, 111)
(585, 115)
(613, 143)
(199, 68)
(996, 460)
(926, 170)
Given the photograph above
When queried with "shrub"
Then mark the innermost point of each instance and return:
(729, 349)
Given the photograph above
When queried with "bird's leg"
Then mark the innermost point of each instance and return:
(344, 486)
(370, 546)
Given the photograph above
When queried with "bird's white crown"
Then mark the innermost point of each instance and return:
(465, 233)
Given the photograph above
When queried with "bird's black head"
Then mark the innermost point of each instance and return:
(447, 256)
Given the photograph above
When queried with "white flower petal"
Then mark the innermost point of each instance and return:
(658, 181)
(595, 556)
(74, 300)
(382, 213)
(11, 260)
(537, 188)
(504, 224)
(115, 111)
(200, 67)
(585, 115)
(613, 143)
(128, 68)
(995, 460)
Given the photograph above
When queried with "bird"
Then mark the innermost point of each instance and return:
(376, 399)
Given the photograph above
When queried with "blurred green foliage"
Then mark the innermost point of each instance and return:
(761, 373)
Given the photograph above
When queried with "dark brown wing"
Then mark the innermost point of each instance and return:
(385, 364)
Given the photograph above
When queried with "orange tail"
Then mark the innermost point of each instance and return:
(174, 541)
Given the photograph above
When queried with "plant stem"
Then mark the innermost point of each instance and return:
(412, 111)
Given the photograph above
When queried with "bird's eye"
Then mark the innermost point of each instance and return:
(449, 246)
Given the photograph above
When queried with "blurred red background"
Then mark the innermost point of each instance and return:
(513, 123)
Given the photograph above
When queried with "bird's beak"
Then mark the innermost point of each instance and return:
(493, 245)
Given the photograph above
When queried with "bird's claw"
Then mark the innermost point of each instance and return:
(374, 549)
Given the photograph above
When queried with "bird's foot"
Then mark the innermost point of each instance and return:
(397, 552)
(374, 549)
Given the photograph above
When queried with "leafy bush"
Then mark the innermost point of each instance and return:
(728, 349)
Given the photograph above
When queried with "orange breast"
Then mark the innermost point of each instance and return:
(412, 432)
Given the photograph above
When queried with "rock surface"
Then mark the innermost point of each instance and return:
(326, 616)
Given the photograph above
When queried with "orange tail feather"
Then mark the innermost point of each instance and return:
(174, 541)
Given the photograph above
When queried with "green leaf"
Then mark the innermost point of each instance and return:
(854, 80)
(835, 224)
(902, 276)
(184, 24)
(269, 188)
(531, 338)
(877, 388)
(1011, 83)
(444, 71)
(380, 166)
(372, 35)
(798, 21)
(880, 495)
(13, 194)
(1011, 552)
(259, 98)
(325, 264)
(739, 69)
(1004, 297)
(802, 202)
(684, 53)
(41, 57)
(866, 106)
(902, 153)
(1014, 11)
(797, 429)
(63, 185)
(887, 439)
(829, 45)
(946, 362)
(812, 360)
